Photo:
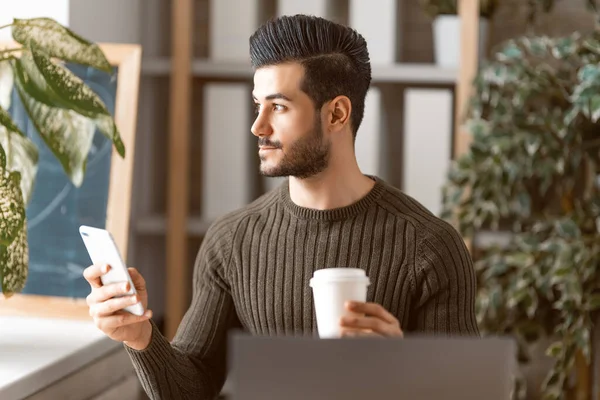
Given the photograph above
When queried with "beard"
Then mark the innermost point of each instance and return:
(304, 158)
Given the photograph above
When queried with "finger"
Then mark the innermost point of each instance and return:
(372, 309)
(120, 319)
(111, 306)
(93, 273)
(107, 292)
(360, 323)
(371, 323)
(138, 280)
(357, 333)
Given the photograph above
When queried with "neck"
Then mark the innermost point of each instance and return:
(339, 185)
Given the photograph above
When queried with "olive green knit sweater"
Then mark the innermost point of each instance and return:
(254, 266)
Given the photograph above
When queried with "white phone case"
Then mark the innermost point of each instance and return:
(103, 250)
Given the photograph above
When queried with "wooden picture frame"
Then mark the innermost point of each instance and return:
(127, 58)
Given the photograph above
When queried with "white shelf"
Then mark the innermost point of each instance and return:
(157, 225)
(427, 74)
(414, 73)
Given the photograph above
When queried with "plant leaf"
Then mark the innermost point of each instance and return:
(67, 88)
(56, 86)
(567, 228)
(33, 82)
(21, 153)
(76, 95)
(7, 122)
(107, 126)
(22, 157)
(12, 208)
(554, 349)
(68, 134)
(59, 41)
(592, 44)
(14, 261)
(593, 302)
(565, 47)
(595, 108)
(510, 51)
(6, 84)
(589, 74)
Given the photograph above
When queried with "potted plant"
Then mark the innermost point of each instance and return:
(532, 170)
(446, 28)
(65, 112)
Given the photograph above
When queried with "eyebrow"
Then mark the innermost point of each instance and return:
(274, 96)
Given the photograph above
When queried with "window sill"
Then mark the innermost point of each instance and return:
(36, 353)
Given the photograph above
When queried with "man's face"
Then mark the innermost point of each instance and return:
(290, 136)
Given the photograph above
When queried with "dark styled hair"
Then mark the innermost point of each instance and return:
(334, 57)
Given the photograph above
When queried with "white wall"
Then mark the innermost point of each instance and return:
(427, 144)
(106, 21)
(115, 21)
(310, 7)
(9, 9)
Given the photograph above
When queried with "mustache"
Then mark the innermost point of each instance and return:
(265, 142)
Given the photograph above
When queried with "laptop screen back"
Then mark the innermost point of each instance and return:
(413, 368)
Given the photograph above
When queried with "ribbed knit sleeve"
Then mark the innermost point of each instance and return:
(193, 366)
(445, 283)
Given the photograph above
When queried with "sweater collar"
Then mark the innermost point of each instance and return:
(334, 214)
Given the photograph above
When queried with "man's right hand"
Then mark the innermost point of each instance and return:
(107, 310)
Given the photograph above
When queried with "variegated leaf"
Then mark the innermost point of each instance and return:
(14, 263)
(22, 156)
(12, 208)
(59, 41)
(33, 82)
(8, 123)
(55, 86)
(68, 134)
(6, 84)
(67, 87)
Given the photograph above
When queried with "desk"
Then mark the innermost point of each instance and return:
(62, 359)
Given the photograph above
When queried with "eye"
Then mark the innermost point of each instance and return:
(256, 108)
(279, 107)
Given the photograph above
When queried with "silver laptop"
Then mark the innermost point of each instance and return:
(414, 368)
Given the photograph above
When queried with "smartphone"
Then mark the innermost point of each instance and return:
(103, 250)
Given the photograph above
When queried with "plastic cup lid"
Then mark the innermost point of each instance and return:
(339, 275)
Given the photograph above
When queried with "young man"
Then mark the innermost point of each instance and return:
(253, 268)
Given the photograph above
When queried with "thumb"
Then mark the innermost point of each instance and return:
(138, 280)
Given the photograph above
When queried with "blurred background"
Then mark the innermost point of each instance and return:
(195, 93)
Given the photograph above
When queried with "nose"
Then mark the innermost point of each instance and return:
(261, 126)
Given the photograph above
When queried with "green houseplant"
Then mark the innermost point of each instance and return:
(65, 112)
(532, 170)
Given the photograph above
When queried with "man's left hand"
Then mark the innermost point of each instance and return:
(371, 320)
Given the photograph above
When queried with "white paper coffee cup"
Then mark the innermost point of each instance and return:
(332, 288)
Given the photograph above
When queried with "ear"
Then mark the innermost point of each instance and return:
(338, 113)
